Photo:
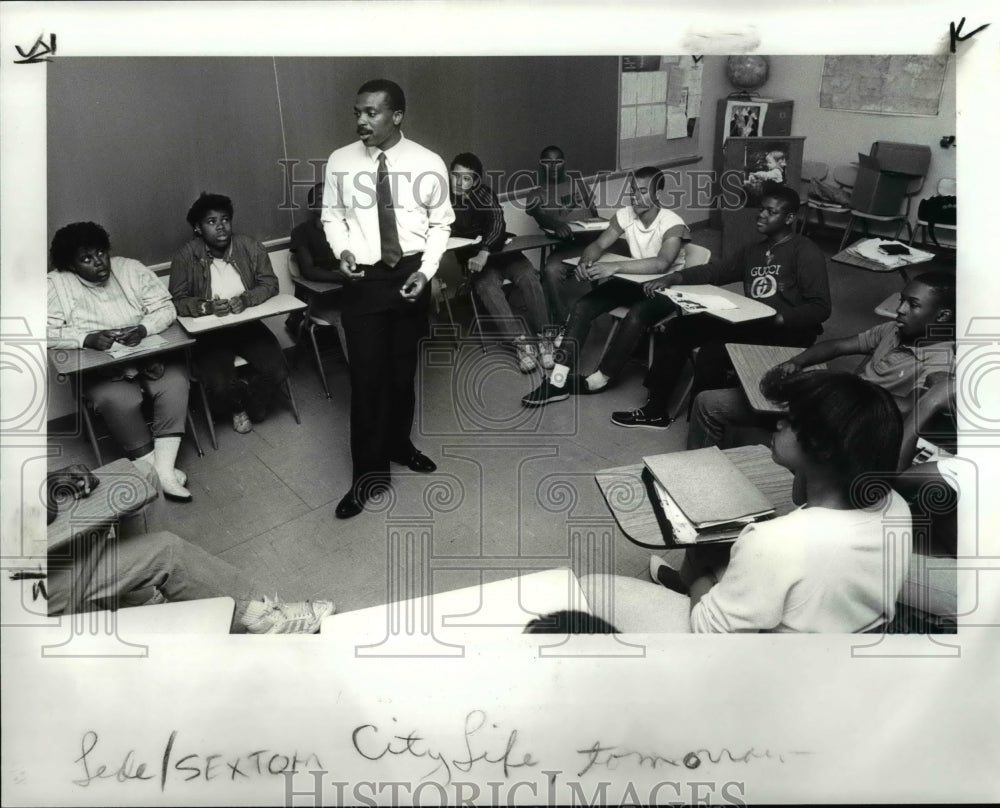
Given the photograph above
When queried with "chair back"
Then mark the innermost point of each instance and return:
(814, 170)
(696, 255)
(845, 176)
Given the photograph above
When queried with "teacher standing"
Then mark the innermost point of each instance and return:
(387, 216)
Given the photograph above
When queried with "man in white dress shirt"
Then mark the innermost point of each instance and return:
(387, 216)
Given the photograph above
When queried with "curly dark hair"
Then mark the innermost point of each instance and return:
(840, 420)
(72, 237)
(394, 93)
(206, 202)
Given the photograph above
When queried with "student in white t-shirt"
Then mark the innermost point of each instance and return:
(655, 236)
(836, 564)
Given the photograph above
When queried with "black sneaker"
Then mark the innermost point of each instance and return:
(641, 418)
(546, 393)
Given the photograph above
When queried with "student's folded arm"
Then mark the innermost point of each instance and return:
(827, 350)
(669, 250)
(59, 332)
(931, 402)
(158, 309)
(496, 226)
(265, 281)
(814, 286)
(440, 216)
(187, 304)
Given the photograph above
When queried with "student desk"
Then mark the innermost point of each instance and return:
(279, 304)
(123, 489)
(625, 493)
(77, 360)
(745, 311)
(503, 607)
(846, 257)
(204, 616)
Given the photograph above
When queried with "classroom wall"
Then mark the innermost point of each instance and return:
(836, 136)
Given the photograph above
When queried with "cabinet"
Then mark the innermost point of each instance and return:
(767, 121)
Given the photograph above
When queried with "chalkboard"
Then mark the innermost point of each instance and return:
(133, 141)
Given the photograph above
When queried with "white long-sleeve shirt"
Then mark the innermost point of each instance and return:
(419, 182)
(133, 295)
(813, 570)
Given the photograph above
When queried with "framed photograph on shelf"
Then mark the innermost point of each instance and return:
(745, 118)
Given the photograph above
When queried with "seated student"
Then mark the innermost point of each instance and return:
(826, 567)
(478, 215)
(554, 204)
(784, 270)
(915, 481)
(901, 356)
(96, 300)
(653, 234)
(220, 273)
(162, 567)
(312, 253)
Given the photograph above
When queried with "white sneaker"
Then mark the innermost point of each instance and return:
(241, 423)
(274, 617)
(525, 355)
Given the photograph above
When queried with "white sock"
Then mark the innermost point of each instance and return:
(559, 375)
(164, 456)
(597, 380)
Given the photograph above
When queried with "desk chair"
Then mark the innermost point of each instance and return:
(694, 255)
(844, 177)
(947, 186)
(87, 414)
(901, 218)
(323, 312)
(239, 362)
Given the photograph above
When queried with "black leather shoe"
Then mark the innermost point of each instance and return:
(350, 505)
(417, 461)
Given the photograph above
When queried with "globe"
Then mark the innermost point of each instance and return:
(747, 73)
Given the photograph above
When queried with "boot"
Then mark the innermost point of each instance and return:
(164, 456)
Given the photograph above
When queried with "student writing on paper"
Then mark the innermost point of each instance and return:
(901, 357)
(95, 300)
(155, 568)
(831, 565)
(312, 254)
(220, 273)
(784, 270)
(478, 215)
(558, 200)
(656, 237)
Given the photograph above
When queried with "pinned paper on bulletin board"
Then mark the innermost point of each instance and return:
(660, 97)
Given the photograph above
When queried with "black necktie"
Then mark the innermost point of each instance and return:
(389, 236)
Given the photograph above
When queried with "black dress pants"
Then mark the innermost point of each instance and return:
(383, 332)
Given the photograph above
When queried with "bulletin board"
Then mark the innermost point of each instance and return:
(659, 108)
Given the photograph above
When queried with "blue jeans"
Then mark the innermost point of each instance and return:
(109, 573)
(488, 286)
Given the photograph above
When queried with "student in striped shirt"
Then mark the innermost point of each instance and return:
(96, 300)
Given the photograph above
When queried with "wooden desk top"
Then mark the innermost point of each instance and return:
(124, 488)
(746, 309)
(751, 362)
(625, 493)
(533, 242)
(75, 360)
(279, 304)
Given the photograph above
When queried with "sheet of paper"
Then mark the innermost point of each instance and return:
(152, 341)
(646, 93)
(630, 88)
(628, 123)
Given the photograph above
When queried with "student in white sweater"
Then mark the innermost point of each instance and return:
(836, 564)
